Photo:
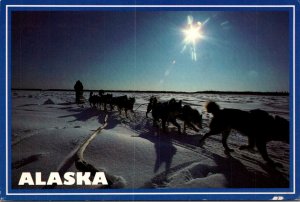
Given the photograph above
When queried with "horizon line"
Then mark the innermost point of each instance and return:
(167, 91)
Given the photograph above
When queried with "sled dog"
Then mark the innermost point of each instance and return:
(258, 125)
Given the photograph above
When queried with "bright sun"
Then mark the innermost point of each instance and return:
(192, 34)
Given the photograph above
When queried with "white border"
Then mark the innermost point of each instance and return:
(156, 6)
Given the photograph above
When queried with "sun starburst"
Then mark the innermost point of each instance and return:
(192, 34)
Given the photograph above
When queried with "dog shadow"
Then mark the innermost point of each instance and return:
(238, 175)
(112, 121)
(273, 173)
(81, 114)
(235, 174)
(164, 148)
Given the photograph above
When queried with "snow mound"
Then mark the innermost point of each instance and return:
(49, 102)
(198, 175)
(119, 182)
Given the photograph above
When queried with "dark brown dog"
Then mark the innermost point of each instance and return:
(191, 117)
(152, 101)
(166, 112)
(259, 126)
(123, 103)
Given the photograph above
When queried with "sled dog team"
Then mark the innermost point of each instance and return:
(104, 100)
(259, 126)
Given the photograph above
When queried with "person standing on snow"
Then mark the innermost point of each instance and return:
(78, 87)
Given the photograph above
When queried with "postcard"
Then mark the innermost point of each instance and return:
(149, 101)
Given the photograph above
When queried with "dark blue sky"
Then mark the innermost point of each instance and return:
(125, 50)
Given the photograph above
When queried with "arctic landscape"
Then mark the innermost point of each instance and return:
(48, 129)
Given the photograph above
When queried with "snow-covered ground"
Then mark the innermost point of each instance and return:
(47, 126)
